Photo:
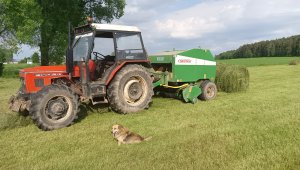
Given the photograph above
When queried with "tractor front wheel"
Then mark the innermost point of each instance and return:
(209, 90)
(54, 107)
(130, 90)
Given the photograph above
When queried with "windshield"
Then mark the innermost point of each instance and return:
(104, 46)
(129, 46)
(129, 41)
(81, 46)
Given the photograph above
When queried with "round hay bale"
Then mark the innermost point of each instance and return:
(232, 78)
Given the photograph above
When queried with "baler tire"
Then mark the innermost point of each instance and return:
(124, 102)
(44, 101)
(209, 90)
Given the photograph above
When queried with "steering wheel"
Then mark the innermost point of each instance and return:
(99, 56)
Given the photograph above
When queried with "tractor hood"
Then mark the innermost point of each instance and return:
(45, 70)
(49, 71)
(39, 69)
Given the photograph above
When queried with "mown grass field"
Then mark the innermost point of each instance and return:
(257, 129)
(263, 61)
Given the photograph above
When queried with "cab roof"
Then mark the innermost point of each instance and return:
(111, 27)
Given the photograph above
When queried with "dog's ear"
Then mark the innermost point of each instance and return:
(123, 128)
(120, 127)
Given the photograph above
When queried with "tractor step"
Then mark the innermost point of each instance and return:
(97, 89)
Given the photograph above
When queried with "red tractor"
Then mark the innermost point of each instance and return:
(104, 64)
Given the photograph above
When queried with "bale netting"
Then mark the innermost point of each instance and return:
(232, 78)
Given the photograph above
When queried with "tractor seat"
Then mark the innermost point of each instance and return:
(109, 58)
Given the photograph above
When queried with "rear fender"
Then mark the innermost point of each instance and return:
(145, 63)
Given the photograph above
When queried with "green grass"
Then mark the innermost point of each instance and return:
(257, 129)
(8, 87)
(12, 70)
(263, 61)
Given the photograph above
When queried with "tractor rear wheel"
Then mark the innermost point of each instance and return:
(209, 90)
(131, 89)
(54, 107)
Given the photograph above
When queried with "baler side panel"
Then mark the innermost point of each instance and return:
(193, 65)
(177, 73)
(192, 73)
(188, 66)
(161, 59)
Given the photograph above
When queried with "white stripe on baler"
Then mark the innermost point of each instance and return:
(183, 60)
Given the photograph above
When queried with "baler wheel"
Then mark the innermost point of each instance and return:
(131, 89)
(54, 107)
(209, 90)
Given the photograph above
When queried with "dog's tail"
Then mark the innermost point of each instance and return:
(148, 138)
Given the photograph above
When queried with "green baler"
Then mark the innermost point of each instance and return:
(185, 74)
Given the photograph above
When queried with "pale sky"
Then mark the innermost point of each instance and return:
(218, 25)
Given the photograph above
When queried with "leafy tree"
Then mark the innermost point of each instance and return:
(43, 23)
(7, 36)
(24, 60)
(2, 56)
(248, 53)
(35, 57)
(5, 55)
(1, 68)
(271, 49)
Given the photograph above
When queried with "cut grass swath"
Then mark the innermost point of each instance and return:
(294, 62)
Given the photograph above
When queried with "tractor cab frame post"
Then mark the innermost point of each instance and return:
(69, 53)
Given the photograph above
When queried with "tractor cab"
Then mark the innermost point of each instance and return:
(98, 50)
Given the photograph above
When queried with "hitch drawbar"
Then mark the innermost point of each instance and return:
(188, 92)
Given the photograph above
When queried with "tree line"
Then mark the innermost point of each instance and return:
(35, 58)
(284, 47)
(6, 55)
(44, 23)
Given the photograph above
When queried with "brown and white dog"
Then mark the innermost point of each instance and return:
(124, 136)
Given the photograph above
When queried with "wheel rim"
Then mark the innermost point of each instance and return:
(210, 92)
(58, 109)
(135, 91)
